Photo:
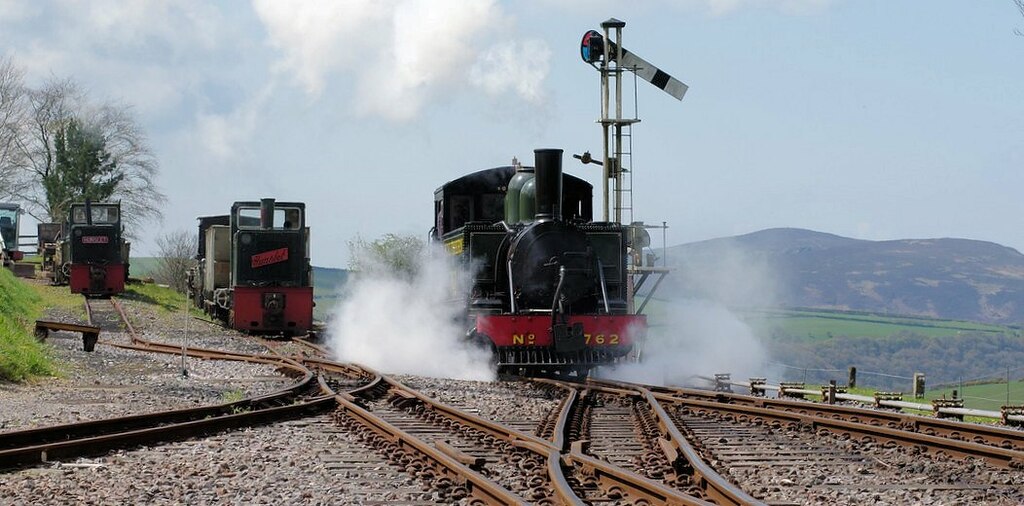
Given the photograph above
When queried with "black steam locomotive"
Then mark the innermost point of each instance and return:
(550, 291)
(253, 271)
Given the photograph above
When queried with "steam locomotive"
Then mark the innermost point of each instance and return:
(91, 253)
(550, 292)
(253, 271)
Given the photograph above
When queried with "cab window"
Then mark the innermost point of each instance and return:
(248, 217)
(287, 218)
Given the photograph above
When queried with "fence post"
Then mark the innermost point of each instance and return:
(853, 377)
(918, 385)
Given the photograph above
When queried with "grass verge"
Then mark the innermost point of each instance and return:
(21, 356)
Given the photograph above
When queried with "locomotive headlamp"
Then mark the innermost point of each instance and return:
(246, 238)
(78, 232)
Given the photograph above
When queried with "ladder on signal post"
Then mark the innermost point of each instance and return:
(624, 181)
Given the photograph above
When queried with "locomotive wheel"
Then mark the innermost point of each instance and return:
(64, 274)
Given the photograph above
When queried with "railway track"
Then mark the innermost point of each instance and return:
(599, 443)
(479, 461)
(782, 457)
(990, 435)
(867, 424)
(107, 314)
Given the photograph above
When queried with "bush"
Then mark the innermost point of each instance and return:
(177, 256)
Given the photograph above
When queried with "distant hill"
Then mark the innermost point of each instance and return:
(324, 278)
(942, 278)
(328, 280)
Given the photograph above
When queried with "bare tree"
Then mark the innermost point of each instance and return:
(53, 106)
(12, 118)
(1020, 7)
(129, 149)
(177, 255)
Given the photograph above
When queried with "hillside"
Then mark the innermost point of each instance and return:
(941, 278)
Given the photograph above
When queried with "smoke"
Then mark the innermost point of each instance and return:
(409, 321)
(727, 274)
(693, 330)
(404, 53)
(690, 338)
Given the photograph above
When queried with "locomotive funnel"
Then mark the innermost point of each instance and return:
(548, 177)
(267, 213)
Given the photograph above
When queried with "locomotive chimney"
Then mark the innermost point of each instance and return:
(267, 213)
(548, 177)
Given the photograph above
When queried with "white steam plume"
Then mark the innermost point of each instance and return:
(409, 323)
(693, 331)
(694, 337)
(402, 53)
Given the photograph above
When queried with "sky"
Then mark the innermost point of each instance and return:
(869, 119)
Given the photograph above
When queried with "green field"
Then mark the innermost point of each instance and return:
(142, 267)
(988, 396)
(816, 325)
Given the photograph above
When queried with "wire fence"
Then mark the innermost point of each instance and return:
(824, 375)
(1008, 383)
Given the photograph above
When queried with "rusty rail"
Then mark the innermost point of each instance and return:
(716, 487)
(1001, 437)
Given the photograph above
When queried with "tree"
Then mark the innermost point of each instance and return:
(82, 170)
(49, 109)
(176, 256)
(396, 254)
(12, 118)
(1020, 7)
(52, 109)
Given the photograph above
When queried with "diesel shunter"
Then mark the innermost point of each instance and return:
(91, 254)
(253, 271)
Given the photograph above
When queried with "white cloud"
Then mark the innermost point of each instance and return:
(519, 66)
(223, 135)
(150, 54)
(713, 7)
(401, 54)
(17, 10)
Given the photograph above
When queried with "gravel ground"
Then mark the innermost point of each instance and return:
(519, 405)
(113, 382)
(298, 462)
(308, 461)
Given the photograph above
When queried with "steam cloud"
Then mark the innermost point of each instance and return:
(409, 324)
(403, 53)
(693, 337)
(694, 332)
